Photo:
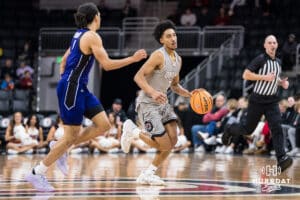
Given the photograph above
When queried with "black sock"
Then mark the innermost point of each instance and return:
(33, 172)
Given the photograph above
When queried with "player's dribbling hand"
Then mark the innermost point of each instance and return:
(159, 97)
(139, 55)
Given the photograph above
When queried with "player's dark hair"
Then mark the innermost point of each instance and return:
(85, 14)
(161, 27)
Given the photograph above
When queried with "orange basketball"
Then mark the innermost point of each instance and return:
(201, 101)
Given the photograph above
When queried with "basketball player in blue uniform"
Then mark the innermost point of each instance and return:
(75, 101)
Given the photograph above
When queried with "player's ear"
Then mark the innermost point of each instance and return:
(161, 40)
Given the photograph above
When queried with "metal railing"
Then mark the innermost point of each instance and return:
(220, 43)
(57, 40)
(137, 33)
(207, 69)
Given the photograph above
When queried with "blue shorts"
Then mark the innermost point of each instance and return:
(75, 101)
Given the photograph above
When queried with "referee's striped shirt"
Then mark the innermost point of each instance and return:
(262, 65)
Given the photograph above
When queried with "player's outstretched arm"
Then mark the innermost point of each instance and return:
(111, 64)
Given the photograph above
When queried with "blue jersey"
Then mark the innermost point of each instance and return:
(78, 65)
(74, 98)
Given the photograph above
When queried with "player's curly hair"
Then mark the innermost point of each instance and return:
(85, 14)
(161, 27)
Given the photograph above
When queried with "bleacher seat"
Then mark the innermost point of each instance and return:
(20, 105)
(4, 106)
(5, 95)
(21, 94)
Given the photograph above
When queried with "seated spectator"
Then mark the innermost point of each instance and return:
(138, 145)
(237, 116)
(36, 133)
(182, 144)
(22, 68)
(131, 112)
(297, 124)
(204, 18)
(116, 108)
(197, 4)
(222, 19)
(203, 131)
(110, 141)
(8, 68)
(56, 132)
(188, 18)
(18, 140)
(103, 10)
(268, 8)
(174, 17)
(289, 53)
(8, 83)
(232, 106)
(26, 81)
(27, 53)
(264, 143)
(128, 10)
(239, 3)
(257, 137)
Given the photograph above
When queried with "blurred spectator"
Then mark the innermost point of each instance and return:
(8, 68)
(201, 132)
(18, 141)
(103, 10)
(197, 5)
(268, 8)
(116, 108)
(131, 113)
(23, 68)
(222, 19)
(8, 83)
(27, 53)
(239, 3)
(183, 143)
(26, 81)
(36, 133)
(204, 18)
(110, 141)
(188, 18)
(128, 10)
(174, 17)
(289, 53)
(56, 131)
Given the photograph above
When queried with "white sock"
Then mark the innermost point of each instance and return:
(40, 168)
(151, 169)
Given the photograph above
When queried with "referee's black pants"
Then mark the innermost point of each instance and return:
(273, 117)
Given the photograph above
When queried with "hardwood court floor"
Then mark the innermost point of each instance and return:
(188, 176)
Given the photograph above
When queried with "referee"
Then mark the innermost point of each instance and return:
(264, 71)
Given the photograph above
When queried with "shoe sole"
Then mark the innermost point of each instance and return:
(29, 180)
